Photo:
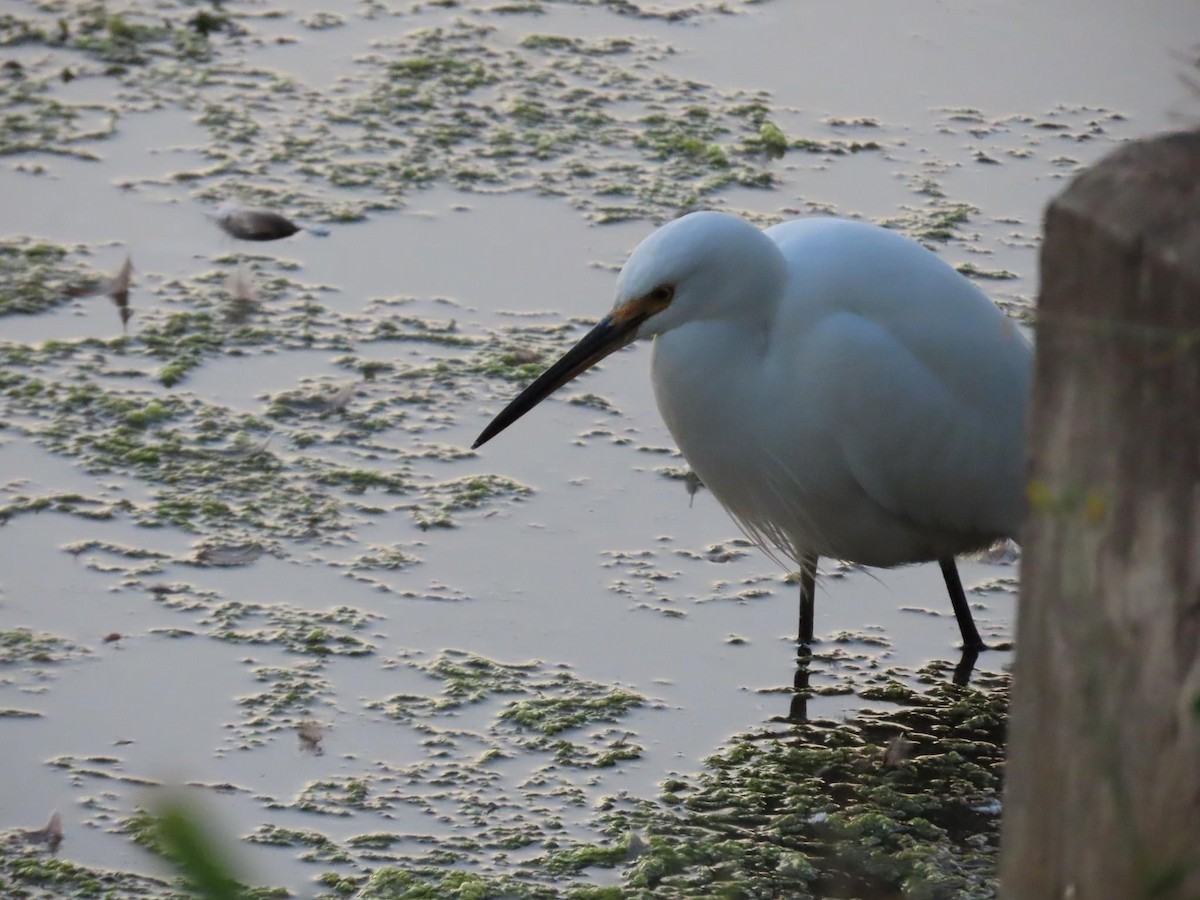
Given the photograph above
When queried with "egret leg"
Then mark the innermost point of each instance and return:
(962, 612)
(808, 598)
(798, 708)
(965, 668)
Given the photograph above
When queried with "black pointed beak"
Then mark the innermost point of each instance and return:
(607, 337)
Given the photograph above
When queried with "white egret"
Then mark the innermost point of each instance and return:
(841, 390)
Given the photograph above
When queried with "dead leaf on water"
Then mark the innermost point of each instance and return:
(115, 288)
(311, 734)
(243, 296)
(340, 399)
(51, 835)
(240, 285)
(637, 846)
(899, 749)
(246, 451)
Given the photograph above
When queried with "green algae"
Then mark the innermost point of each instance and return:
(36, 275)
(384, 557)
(973, 271)
(100, 768)
(772, 139)
(22, 645)
(547, 704)
(179, 832)
(513, 365)
(588, 856)
(288, 699)
(807, 810)
(600, 753)
(814, 813)
(467, 111)
(447, 104)
(466, 678)
(318, 847)
(398, 884)
(440, 501)
(832, 147)
(28, 874)
(299, 631)
(33, 121)
(165, 441)
(140, 826)
(338, 797)
(66, 502)
(584, 704)
(937, 221)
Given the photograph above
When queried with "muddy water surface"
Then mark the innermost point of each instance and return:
(250, 514)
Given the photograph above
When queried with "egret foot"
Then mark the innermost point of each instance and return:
(965, 668)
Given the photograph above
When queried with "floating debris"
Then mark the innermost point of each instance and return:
(340, 399)
(311, 734)
(256, 224)
(112, 637)
(51, 835)
(899, 749)
(636, 845)
(246, 452)
(229, 555)
(116, 289)
(241, 285)
(243, 296)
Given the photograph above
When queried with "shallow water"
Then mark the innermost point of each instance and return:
(602, 568)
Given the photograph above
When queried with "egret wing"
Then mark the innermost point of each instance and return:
(918, 431)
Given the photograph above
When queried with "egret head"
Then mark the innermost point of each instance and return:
(704, 265)
(711, 265)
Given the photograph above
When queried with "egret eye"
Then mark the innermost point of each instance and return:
(662, 294)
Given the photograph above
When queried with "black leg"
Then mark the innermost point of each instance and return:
(958, 599)
(965, 668)
(808, 598)
(798, 709)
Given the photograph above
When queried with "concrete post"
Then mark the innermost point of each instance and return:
(1103, 776)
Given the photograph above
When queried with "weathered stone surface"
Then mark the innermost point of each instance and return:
(1103, 790)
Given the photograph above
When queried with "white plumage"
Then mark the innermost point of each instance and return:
(840, 390)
